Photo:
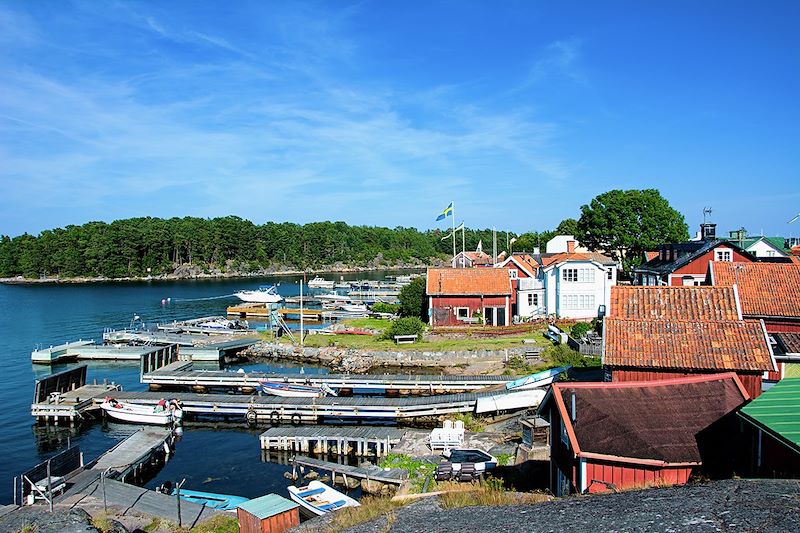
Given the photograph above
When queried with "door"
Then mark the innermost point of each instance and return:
(488, 313)
(501, 316)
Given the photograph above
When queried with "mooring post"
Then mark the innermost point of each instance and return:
(49, 487)
(178, 497)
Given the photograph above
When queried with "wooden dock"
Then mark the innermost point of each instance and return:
(358, 440)
(394, 476)
(65, 396)
(129, 456)
(185, 377)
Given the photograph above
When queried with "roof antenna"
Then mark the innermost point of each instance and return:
(706, 213)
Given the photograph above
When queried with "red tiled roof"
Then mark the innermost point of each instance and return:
(682, 344)
(652, 421)
(674, 303)
(649, 256)
(549, 259)
(468, 281)
(765, 289)
(788, 341)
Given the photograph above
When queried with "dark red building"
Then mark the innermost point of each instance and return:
(463, 296)
(612, 436)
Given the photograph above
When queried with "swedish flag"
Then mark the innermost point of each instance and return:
(448, 212)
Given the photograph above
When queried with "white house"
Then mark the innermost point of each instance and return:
(562, 244)
(577, 285)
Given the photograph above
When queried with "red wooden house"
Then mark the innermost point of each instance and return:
(669, 332)
(686, 263)
(612, 436)
(768, 291)
(460, 296)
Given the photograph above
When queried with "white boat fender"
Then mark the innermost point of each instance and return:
(166, 448)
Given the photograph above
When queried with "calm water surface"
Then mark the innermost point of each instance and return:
(223, 459)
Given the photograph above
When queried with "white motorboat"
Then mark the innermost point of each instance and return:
(317, 498)
(290, 390)
(354, 308)
(333, 297)
(264, 295)
(160, 415)
(321, 283)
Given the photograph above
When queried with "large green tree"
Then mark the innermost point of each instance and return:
(413, 301)
(623, 224)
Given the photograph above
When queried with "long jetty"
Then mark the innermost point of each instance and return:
(182, 375)
(361, 440)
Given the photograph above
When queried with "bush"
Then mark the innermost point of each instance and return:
(563, 355)
(404, 326)
(412, 299)
(381, 307)
(580, 330)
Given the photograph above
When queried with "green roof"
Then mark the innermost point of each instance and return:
(777, 412)
(267, 506)
(747, 242)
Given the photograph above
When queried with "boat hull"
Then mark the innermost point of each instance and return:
(286, 390)
(317, 498)
(140, 414)
(260, 297)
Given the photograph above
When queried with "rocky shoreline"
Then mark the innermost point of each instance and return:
(187, 272)
(350, 360)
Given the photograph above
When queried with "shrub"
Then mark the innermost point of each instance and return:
(381, 307)
(563, 355)
(580, 329)
(404, 326)
(413, 302)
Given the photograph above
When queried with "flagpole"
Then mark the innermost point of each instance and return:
(463, 245)
(453, 214)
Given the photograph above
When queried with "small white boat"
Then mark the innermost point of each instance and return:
(534, 381)
(354, 308)
(160, 415)
(333, 297)
(317, 498)
(321, 283)
(290, 390)
(264, 295)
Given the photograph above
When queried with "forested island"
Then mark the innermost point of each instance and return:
(140, 247)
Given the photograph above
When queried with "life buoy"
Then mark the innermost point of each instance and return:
(251, 416)
(296, 419)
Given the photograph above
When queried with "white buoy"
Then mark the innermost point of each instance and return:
(163, 302)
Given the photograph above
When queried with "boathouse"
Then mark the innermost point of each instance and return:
(773, 430)
(268, 514)
(670, 332)
(614, 436)
(462, 296)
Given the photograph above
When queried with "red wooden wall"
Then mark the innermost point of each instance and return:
(474, 303)
(751, 381)
(625, 476)
(274, 524)
(700, 265)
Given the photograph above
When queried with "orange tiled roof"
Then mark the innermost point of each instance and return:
(548, 260)
(683, 344)
(527, 262)
(674, 303)
(649, 256)
(765, 289)
(468, 281)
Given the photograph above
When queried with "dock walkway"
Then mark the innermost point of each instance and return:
(394, 476)
(361, 440)
(125, 457)
(186, 377)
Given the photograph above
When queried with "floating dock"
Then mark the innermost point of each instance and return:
(358, 440)
(65, 396)
(183, 376)
(394, 476)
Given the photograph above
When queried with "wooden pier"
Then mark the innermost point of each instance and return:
(185, 377)
(65, 396)
(394, 476)
(358, 440)
(129, 456)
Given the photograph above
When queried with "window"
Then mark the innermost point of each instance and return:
(586, 275)
(723, 254)
(570, 274)
(462, 313)
(535, 299)
(530, 299)
(512, 273)
(610, 273)
(577, 301)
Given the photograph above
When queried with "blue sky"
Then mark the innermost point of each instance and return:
(382, 112)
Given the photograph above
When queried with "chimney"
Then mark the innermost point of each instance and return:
(535, 250)
(708, 231)
(570, 247)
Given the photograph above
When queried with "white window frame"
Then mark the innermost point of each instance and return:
(585, 275)
(512, 273)
(569, 275)
(457, 309)
(723, 255)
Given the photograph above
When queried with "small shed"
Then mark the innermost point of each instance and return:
(268, 514)
(774, 430)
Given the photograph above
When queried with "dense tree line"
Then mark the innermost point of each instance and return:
(126, 248)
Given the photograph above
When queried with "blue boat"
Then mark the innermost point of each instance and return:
(220, 502)
(540, 379)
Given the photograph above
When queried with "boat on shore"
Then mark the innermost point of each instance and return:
(160, 415)
(538, 380)
(317, 498)
(213, 500)
(321, 283)
(290, 390)
(267, 294)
